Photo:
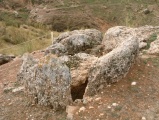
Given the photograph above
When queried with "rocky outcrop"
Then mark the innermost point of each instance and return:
(52, 81)
(6, 58)
(113, 66)
(114, 36)
(47, 81)
(76, 41)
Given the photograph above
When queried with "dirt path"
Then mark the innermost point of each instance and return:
(120, 101)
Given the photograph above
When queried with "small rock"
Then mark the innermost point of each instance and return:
(70, 111)
(85, 101)
(89, 99)
(101, 114)
(143, 118)
(19, 89)
(82, 109)
(109, 107)
(78, 101)
(114, 104)
(91, 107)
(146, 11)
(7, 89)
(97, 99)
(133, 83)
(10, 103)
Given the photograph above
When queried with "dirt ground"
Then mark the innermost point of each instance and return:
(120, 101)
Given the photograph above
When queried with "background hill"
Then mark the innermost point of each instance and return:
(63, 15)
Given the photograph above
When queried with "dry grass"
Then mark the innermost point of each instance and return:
(24, 39)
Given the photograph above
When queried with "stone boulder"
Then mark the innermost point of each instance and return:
(116, 35)
(154, 47)
(47, 81)
(6, 58)
(113, 66)
(80, 74)
(57, 48)
(76, 41)
(80, 65)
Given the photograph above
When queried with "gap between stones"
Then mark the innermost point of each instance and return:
(78, 91)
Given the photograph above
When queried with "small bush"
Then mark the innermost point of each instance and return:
(152, 38)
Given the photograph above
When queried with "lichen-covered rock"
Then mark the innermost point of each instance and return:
(81, 64)
(116, 35)
(113, 66)
(77, 41)
(80, 73)
(57, 48)
(47, 81)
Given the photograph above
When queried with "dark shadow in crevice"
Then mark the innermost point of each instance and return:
(78, 91)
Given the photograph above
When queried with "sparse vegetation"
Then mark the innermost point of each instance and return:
(152, 38)
(11, 36)
(11, 19)
(118, 108)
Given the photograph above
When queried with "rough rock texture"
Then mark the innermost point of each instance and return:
(142, 45)
(6, 58)
(47, 81)
(76, 41)
(57, 48)
(80, 72)
(113, 66)
(80, 65)
(154, 47)
(115, 35)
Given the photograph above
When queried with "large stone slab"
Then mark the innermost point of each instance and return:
(75, 42)
(116, 35)
(47, 81)
(113, 66)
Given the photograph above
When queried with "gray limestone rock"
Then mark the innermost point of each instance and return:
(116, 35)
(113, 66)
(76, 41)
(47, 81)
